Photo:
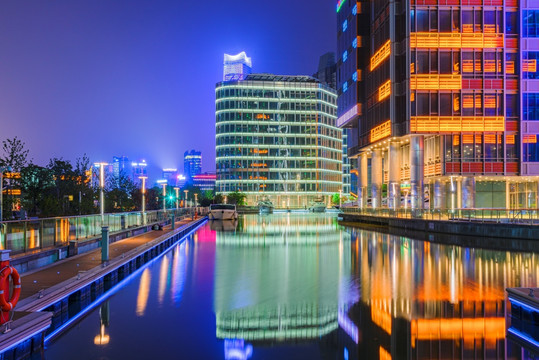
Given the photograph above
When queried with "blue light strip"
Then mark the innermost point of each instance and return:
(526, 306)
(523, 337)
(26, 338)
(117, 287)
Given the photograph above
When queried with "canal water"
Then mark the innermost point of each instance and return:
(299, 286)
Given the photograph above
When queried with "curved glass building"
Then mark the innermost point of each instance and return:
(276, 139)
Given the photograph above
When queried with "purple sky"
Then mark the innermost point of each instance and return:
(137, 78)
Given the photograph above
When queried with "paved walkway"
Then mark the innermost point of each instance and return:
(44, 278)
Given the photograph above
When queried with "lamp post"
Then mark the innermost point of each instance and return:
(186, 191)
(177, 189)
(102, 189)
(164, 196)
(196, 200)
(143, 190)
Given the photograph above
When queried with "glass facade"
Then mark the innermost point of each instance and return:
(448, 93)
(276, 138)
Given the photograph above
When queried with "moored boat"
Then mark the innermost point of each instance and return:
(223, 212)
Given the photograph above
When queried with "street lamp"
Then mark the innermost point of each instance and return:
(102, 188)
(2, 169)
(196, 200)
(164, 196)
(176, 189)
(143, 190)
(186, 191)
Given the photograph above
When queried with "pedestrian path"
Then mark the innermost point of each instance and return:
(51, 275)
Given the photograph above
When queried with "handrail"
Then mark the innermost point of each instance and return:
(21, 236)
(493, 215)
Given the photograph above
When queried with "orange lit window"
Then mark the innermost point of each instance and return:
(381, 131)
(477, 65)
(490, 66)
(478, 139)
(412, 96)
(435, 82)
(384, 90)
(510, 139)
(453, 40)
(380, 55)
(467, 139)
(478, 104)
(456, 103)
(490, 139)
(467, 101)
(490, 101)
(456, 140)
(529, 139)
(412, 68)
(509, 67)
(467, 66)
(431, 124)
(529, 65)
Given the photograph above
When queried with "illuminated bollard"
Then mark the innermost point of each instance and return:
(105, 243)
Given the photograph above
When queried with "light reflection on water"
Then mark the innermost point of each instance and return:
(300, 286)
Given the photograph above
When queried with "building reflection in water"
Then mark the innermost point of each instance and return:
(363, 294)
(428, 301)
(280, 278)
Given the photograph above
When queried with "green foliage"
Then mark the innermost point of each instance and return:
(37, 184)
(119, 192)
(206, 199)
(237, 198)
(218, 199)
(335, 198)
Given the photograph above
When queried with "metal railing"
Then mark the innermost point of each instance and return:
(511, 216)
(22, 236)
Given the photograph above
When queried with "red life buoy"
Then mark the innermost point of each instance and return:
(4, 273)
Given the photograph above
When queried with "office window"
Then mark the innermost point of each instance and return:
(530, 23)
(530, 104)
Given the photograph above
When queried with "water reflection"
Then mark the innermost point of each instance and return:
(104, 316)
(425, 301)
(279, 278)
(143, 292)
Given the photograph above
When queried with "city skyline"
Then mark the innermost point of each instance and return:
(91, 95)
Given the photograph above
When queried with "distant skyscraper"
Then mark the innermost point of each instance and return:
(171, 176)
(192, 163)
(327, 70)
(139, 169)
(120, 166)
(236, 67)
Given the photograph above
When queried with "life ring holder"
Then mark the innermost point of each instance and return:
(9, 305)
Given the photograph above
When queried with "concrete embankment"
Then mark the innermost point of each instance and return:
(474, 234)
(55, 296)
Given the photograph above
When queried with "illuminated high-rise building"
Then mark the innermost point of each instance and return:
(192, 164)
(440, 99)
(139, 169)
(327, 74)
(171, 176)
(276, 138)
(236, 67)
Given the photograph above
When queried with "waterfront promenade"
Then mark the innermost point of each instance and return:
(44, 278)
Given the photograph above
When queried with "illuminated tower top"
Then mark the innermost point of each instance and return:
(236, 67)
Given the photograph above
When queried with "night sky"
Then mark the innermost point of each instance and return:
(137, 78)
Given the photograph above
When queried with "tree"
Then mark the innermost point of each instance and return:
(218, 199)
(119, 193)
(15, 157)
(206, 199)
(37, 184)
(335, 198)
(236, 197)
